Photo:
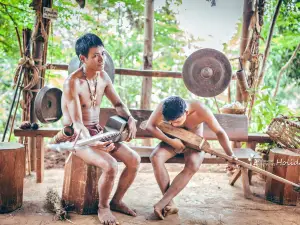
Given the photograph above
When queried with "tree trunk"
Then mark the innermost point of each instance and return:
(267, 49)
(148, 54)
(12, 165)
(247, 15)
(284, 68)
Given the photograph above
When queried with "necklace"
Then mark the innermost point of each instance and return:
(93, 97)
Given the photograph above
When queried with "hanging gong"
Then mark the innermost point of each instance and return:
(108, 67)
(47, 104)
(206, 72)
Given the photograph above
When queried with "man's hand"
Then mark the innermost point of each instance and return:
(178, 145)
(106, 146)
(131, 128)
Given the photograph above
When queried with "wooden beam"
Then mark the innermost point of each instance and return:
(148, 73)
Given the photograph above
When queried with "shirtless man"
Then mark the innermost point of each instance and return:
(82, 95)
(190, 115)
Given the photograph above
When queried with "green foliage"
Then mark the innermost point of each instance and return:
(120, 24)
(285, 39)
(265, 109)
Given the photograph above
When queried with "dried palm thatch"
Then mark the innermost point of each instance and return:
(285, 131)
(55, 204)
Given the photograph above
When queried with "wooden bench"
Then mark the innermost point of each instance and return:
(236, 126)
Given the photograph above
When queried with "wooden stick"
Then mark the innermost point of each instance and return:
(199, 143)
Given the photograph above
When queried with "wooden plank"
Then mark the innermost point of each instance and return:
(40, 159)
(236, 126)
(45, 132)
(242, 154)
(259, 138)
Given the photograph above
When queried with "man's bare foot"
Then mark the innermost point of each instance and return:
(122, 207)
(158, 212)
(106, 217)
(170, 209)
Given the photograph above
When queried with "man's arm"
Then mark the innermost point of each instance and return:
(151, 126)
(120, 107)
(209, 118)
(70, 92)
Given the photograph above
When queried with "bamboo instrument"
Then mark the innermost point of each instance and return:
(199, 143)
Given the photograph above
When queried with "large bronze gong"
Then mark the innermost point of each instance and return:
(207, 72)
(108, 67)
(47, 104)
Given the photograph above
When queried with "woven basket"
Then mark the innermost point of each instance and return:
(285, 131)
(232, 111)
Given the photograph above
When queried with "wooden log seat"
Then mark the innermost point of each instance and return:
(12, 169)
(286, 164)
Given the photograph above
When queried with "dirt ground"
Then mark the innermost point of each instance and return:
(208, 199)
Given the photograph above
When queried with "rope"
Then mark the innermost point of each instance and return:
(31, 78)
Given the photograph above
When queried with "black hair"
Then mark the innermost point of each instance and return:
(173, 108)
(85, 42)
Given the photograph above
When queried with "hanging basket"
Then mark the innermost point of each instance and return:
(285, 131)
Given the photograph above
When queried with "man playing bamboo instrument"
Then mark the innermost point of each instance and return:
(82, 95)
(189, 115)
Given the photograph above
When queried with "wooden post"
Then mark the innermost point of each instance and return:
(247, 15)
(26, 105)
(148, 53)
(148, 56)
(12, 167)
(40, 40)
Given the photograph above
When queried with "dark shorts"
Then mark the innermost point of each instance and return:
(68, 134)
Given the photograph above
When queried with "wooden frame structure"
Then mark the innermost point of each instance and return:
(40, 55)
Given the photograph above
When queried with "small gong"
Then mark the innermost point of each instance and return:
(207, 72)
(109, 67)
(47, 104)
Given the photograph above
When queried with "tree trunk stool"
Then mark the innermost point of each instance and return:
(12, 169)
(286, 164)
(80, 188)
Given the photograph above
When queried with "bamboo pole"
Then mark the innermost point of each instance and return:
(198, 143)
